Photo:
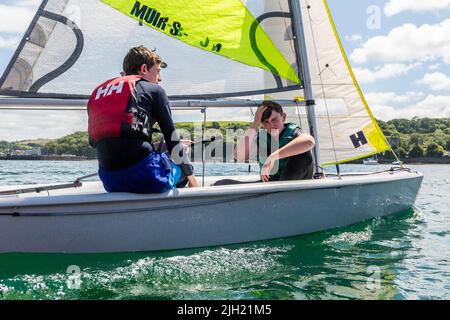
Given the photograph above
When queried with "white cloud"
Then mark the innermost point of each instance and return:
(387, 71)
(14, 19)
(408, 43)
(436, 81)
(40, 124)
(434, 66)
(394, 7)
(432, 106)
(17, 18)
(10, 42)
(354, 38)
(29, 3)
(380, 98)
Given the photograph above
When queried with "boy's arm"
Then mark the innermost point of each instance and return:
(303, 143)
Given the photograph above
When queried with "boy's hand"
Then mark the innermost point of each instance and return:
(258, 117)
(192, 182)
(267, 167)
(186, 146)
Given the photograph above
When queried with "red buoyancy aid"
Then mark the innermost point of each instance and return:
(114, 112)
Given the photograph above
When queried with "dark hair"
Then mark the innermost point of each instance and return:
(138, 56)
(271, 106)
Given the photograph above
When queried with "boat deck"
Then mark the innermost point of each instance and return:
(94, 192)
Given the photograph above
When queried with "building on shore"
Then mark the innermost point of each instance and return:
(36, 151)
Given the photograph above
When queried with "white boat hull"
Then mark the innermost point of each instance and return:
(89, 220)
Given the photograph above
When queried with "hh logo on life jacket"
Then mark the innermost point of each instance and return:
(103, 92)
(358, 139)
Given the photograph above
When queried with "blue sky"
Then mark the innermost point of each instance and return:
(402, 61)
(399, 50)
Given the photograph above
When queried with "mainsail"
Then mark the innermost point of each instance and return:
(215, 50)
(226, 28)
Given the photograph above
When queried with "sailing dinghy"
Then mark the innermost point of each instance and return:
(222, 56)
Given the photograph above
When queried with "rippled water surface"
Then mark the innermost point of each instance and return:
(406, 256)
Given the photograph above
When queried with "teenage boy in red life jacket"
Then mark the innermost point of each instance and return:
(121, 113)
(283, 150)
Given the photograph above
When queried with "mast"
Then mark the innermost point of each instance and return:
(300, 42)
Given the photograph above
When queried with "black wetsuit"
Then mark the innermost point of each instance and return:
(298, 167)
(120, 153)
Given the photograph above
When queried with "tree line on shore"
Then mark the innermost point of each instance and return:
(415, 138)
(418, 138)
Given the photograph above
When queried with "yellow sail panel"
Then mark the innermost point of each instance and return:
(375, 137)
(225, 27)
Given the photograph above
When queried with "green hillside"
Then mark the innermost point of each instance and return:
(416, 138)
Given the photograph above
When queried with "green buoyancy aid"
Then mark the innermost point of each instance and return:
(264, 139)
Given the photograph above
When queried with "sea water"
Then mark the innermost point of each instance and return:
(405, 256)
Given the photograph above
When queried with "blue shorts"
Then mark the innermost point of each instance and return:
(154, 174)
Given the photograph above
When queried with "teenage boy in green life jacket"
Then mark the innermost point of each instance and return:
(283, 150)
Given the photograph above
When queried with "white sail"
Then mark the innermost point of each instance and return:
(347, 129)
(346, 126)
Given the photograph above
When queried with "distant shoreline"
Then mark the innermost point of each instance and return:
(77, 158)
(46, 158)
(417, 161)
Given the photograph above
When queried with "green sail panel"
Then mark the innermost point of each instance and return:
(225, 27)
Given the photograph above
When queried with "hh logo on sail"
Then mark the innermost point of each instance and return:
(358, 139)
